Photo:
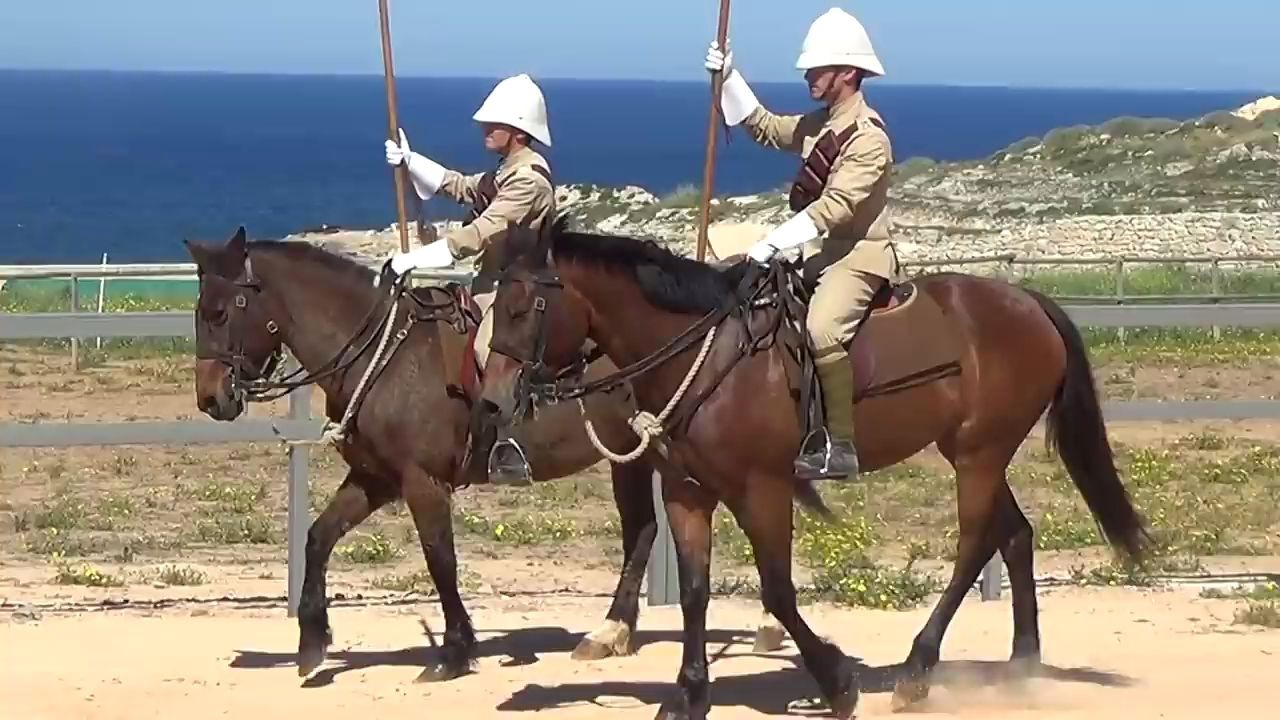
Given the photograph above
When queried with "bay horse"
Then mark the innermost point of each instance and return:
(406, 438)
(1001, 356)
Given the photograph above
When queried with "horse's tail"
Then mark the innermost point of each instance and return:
(1075, 429)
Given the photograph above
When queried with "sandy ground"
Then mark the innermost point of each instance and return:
(1111, 652)
(1152, 654)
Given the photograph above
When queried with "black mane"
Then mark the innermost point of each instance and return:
(301, 251)
(671, 282)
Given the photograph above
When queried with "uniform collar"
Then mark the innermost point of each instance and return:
(848, 109)
(523, 156)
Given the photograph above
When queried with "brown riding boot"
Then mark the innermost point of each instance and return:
(829, 453)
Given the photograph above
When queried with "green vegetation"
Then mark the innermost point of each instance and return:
(684, 196)
(1261, 607)
(181, 576)
(372, 549)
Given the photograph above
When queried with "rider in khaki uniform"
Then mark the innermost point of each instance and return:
(841, 192)
(519, 191)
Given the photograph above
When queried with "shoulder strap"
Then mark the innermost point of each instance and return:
(488, 190)
(816, 168)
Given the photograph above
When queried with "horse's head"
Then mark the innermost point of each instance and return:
(237, 339)
(537, 321)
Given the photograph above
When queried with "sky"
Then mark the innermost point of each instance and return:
(1157, 44)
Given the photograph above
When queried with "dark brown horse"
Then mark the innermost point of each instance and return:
(1015, 356)
(407, 437)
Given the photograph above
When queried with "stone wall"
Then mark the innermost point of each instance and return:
(1093, 236)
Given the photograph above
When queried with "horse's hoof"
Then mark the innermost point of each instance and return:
(309, 660)
(312, 654)
(443, 672)
(613, 640)
(679, 710)
(1022, 667)
(589, 650)
(909, 691)
(809, 706)
(769, 638)
(845, 703)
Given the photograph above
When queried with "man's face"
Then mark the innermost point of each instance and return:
(497, 138)
(827, 84)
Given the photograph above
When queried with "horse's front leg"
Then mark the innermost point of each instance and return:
(633, 494)
(764, 513)
(358, 496)
(689, 509)
(428, 501)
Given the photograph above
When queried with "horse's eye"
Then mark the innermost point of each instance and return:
(219, 317)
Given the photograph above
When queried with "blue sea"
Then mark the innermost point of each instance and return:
(129, 164)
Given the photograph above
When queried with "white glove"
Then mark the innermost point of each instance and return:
(434, 255)
(737, 101)
(427, 174)
(792, 233)
(717, 60)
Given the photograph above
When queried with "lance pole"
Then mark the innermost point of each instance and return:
(709, 165)
(400, 171)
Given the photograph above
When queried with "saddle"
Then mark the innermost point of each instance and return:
(458, 318)
(905, 341)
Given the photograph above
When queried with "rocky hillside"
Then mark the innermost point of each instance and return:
(1138, 186)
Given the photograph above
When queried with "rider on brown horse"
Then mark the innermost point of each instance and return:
(519, 192)
(841, 190)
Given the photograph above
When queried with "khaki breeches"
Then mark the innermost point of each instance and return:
(484, 333)
(845, 289)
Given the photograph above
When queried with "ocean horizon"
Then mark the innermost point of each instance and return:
(130, 163)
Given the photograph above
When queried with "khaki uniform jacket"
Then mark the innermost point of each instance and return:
(524, 195)
(852, 208)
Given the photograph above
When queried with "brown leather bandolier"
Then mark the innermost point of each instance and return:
(487, 190)
(486, 278)
(816, 169)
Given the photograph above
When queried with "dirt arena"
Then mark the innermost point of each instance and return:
(1150, 654)
(148, 582)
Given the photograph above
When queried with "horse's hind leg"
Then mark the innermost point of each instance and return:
(979, 484)
(689, 507)
(633, 494)
(1017, 552)
(349, 507)
(764, 513)
(428, 501)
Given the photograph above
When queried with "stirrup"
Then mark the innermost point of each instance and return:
(508, 464)
(820, 459)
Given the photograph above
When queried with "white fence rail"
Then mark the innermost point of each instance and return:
(299, 426)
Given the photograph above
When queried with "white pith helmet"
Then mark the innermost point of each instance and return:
(517, 101)
(837, 38)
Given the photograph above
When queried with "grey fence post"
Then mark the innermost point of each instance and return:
(299, 499)
(75, 308)
(991, 577)
(1215, 276)
(664, 576)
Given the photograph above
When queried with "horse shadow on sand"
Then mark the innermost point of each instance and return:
(520, 646)
(773, 692)
(770, 693)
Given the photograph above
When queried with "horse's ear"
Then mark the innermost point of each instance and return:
(202, 255)
(236, 247)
